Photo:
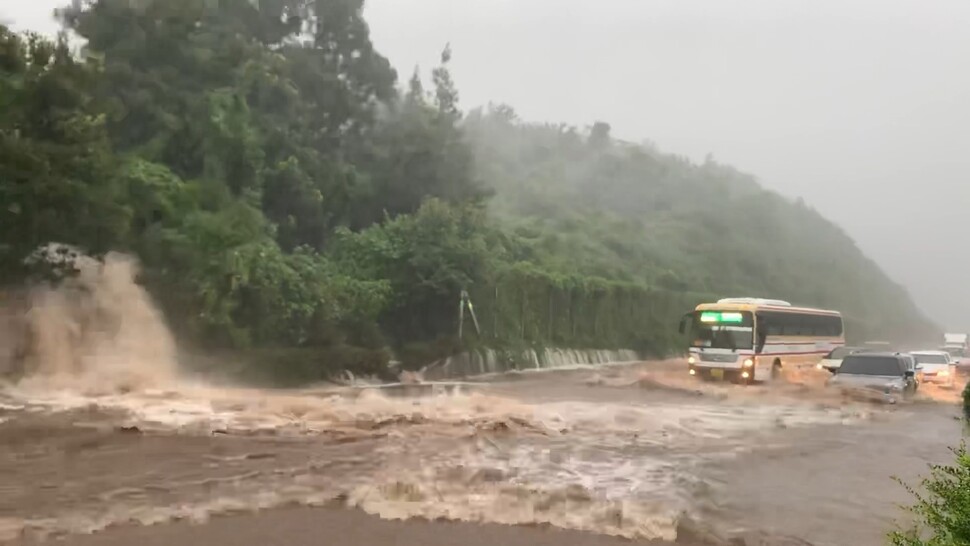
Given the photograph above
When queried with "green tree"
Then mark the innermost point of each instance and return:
(428, 258)
(418, 150)
(232, 94)
(57, 168)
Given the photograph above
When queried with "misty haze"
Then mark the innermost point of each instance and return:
(858, 107)
(478, 271)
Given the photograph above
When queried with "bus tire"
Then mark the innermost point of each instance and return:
(776, 370)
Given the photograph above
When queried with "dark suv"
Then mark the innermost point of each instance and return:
(892, 375)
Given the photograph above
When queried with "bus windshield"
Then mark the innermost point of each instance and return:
(723, 330)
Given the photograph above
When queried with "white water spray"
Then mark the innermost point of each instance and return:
(96, 333)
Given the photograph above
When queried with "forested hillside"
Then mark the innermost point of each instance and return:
(290, 196)
(592, 205)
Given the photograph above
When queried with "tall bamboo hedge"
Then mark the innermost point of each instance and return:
(527, 306)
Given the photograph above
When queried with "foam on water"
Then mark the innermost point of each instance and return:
(620, 469)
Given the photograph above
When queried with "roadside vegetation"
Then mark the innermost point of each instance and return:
(942, 508)
(290, 196)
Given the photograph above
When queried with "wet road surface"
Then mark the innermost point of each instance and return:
(578, 457)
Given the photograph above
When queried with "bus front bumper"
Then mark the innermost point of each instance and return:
(736, 371)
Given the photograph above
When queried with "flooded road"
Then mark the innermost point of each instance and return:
(638, 452)
(105, 440)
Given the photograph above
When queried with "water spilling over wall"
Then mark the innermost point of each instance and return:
(489, 361)
(96, 331)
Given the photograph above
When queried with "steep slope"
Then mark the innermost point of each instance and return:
(592, 205)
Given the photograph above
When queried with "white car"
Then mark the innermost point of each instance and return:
(935, 367)
(833, 360)
(958, 358)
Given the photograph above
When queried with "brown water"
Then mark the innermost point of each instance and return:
(102, 431)
(567, 450)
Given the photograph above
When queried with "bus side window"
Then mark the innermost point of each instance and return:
(775, 323)
(831, 326)
(814, 325)
(787, 325)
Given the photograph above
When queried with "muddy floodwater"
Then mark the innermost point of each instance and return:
(638, 452)
(105, 439)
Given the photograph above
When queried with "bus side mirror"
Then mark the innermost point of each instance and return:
(683, 323)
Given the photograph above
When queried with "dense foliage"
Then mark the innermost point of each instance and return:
(284, 191)
(943, 511)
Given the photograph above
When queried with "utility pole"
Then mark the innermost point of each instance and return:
(466, 302)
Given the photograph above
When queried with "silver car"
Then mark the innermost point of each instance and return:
(889, 377)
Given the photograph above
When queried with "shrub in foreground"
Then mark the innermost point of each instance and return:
(942, 509)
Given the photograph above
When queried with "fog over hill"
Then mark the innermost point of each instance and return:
(860, 107)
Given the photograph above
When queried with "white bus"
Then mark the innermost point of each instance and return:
(751, 339)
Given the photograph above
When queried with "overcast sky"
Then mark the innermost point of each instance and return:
(861, 107)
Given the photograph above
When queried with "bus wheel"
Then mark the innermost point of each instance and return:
(776, 370)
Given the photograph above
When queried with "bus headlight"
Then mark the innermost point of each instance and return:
(692, 371)
(748, 363)
(745, 375)
(691, 360)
